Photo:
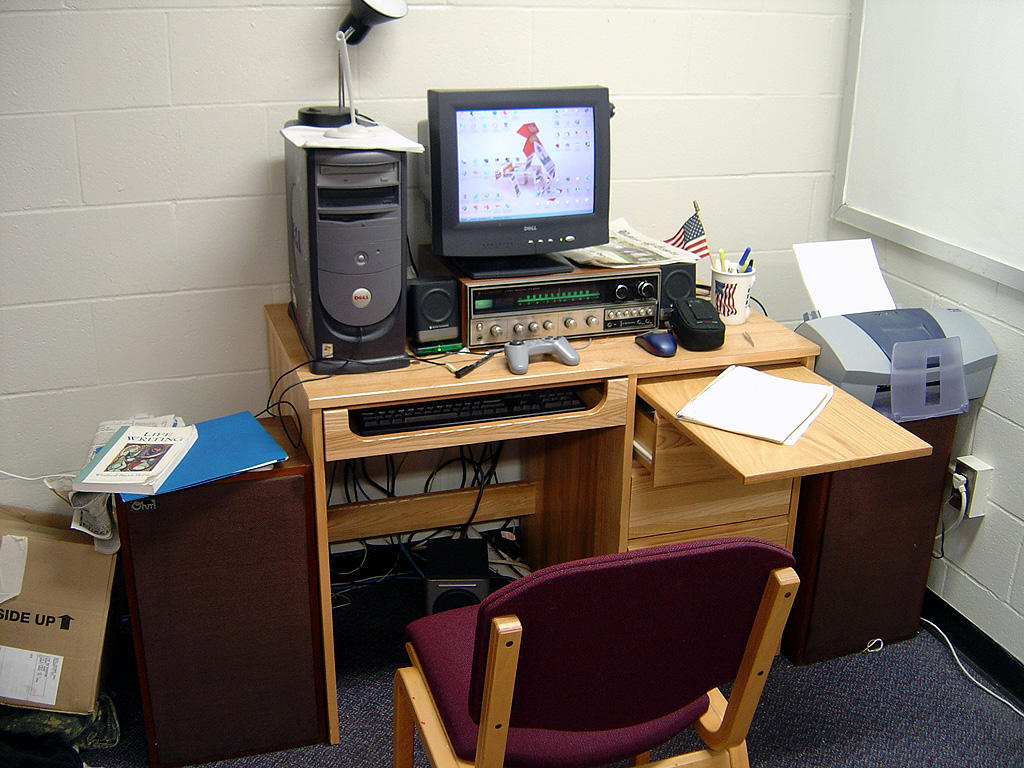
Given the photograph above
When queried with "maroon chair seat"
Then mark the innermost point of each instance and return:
(445, 649)
(617, 653)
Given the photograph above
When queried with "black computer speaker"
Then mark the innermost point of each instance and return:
(219, 677)
(678, 282)
(433, 311)
(456, 573)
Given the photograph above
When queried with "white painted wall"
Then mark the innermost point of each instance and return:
(142, 205)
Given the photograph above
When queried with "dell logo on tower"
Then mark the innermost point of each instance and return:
(361, 297)
(529, 228)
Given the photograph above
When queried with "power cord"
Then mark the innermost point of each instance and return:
(959, 482)
(37, 478)
(963, 669)
(959, 485)
(59, 479)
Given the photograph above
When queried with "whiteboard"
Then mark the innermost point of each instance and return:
(931, 148)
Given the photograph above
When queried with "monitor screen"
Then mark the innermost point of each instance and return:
(517, 172)
(525, 163)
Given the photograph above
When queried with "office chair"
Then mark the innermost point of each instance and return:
(599, 660)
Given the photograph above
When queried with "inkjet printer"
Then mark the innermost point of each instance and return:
(857, 349)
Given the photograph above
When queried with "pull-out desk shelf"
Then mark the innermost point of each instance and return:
(693, 481)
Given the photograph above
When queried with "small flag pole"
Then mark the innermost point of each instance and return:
(696, 212)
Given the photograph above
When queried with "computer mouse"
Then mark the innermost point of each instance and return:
(660, 343)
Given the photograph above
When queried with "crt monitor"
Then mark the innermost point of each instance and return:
(517, 174)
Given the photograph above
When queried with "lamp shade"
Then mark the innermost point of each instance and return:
(364, 14)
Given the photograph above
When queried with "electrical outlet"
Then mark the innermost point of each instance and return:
(979, 483)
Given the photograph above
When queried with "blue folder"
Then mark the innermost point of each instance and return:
(224, 446)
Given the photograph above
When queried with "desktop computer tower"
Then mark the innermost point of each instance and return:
(347, 265)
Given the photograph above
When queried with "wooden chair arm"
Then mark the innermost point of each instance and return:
(499, 682)
(762, 645)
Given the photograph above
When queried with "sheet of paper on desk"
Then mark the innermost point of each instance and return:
(755, 403)
(374, 137)
(842, 276)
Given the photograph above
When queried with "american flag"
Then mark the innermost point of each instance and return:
(691, 237)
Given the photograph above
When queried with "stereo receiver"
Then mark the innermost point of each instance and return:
(581, 303)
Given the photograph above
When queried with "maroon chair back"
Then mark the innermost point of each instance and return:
(613, 641)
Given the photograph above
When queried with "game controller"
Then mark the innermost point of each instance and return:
(518, 353)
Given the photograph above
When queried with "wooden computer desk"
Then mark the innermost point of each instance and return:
(623, 474)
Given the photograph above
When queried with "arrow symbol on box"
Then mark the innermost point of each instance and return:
(65, 621)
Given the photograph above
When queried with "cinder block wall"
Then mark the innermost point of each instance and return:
(142, 209)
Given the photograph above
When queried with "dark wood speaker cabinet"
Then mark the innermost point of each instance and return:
(222, 588)
(863, 549)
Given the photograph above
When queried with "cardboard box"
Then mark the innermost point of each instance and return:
(52, 632)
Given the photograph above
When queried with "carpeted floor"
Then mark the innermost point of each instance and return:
(907, 705)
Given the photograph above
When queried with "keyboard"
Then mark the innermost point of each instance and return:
(494, 406)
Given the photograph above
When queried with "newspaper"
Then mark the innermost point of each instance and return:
(628, 248)
(90, 513)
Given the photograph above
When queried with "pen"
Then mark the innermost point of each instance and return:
(748, 337)
(473, 366)
(721, 258)
(750, 266)
(743, 260)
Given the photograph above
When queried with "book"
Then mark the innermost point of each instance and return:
(225, 446)
(106, 429)
(758, 404)
(137, 459)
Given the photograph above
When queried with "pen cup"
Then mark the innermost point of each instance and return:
(730, 293)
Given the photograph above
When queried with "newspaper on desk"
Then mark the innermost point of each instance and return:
(90, 512)
(628, 248)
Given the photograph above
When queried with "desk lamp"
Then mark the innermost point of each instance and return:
(362, 15)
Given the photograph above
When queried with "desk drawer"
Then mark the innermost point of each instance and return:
(670, 456)
(774, 530)
(696, 504)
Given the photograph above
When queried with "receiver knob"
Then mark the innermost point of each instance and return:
(621, 291)
(533, 327)
(518, 328)
(645, 289)
(497, 330)
(592, 321)
(570, 322)
(548, 325)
